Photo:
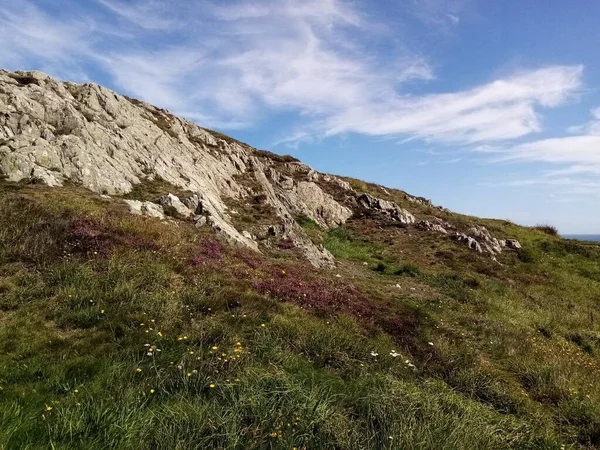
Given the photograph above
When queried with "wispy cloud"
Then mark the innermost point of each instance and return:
(577, 159)
(592, 127)
(234, 64)
(439, 13)
(28, 33)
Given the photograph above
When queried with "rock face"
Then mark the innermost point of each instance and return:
(55, 131)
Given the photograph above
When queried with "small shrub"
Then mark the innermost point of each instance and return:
(380, 267)
(548, 229)
(306, 222)
(412, 270)
(275, 157)
(526, 255)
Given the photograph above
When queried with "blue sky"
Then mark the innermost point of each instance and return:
(488, 108)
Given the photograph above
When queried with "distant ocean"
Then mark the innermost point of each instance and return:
(583, 237)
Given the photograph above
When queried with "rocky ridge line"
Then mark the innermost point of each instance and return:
(57, 131)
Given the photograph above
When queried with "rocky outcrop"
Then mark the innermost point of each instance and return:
(468, 241)
(513, 243)
(479, 238)
(173, 202)
(55, 131)
(429, 226)
(418, 200)
(385, 208)
(146, 209)
(489, 243)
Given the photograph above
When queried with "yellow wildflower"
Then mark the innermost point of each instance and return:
(214, 347)
(47, 408)
(211, 386)
(152, 391)
(138, 370)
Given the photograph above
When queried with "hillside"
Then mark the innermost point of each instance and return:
(165, 286)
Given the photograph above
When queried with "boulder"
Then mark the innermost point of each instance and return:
(385, 208)
(513, 243)
(153, 210)
(145, 209)
(194, 203)
(428, 226)
(172, 201)
(469, 241)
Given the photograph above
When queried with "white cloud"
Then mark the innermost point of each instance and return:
(592, 127)
(237, 63)
(503, 109)
(577, 158)
(150, 14)
(437, 13)
(580, 152)
(30, 34)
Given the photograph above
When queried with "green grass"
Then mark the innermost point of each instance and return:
(340, 243)
(508, 359)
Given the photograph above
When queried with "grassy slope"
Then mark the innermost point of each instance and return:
(258, 352)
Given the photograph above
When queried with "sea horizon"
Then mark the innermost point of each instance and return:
(583, 237)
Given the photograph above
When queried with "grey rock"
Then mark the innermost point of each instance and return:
(386, 208)
(87, 134)
(418, 200)
(145, 209)
(194, 203)
(135, 207)
(513, 243)
(489, 243)
(153, 210)
(426, 225)
(172, 201)
(469, 241)
(200, 221)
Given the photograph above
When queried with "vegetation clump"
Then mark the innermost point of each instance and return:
(548, 229)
